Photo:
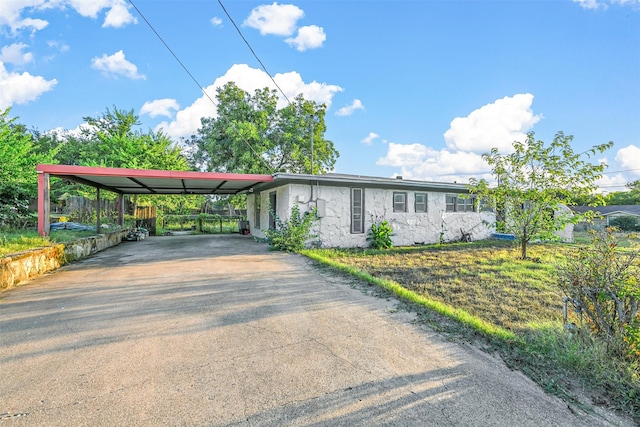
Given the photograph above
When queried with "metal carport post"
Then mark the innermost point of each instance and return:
(139, 181)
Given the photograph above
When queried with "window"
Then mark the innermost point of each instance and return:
(257, 206)
(399, 202)
(456, 203)
(273, 205)
(421, 202)
(357, 210)
(451, 202)
(466, 204)
(485, 205)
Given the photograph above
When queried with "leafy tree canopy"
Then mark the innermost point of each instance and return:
(629, 197)
(251, 135)
(113, 140)
(19, 155)
(534, 181)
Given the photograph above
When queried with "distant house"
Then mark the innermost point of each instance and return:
(419, 211)
(604, 214)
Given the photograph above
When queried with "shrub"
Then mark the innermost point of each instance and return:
(291, 235)
(604, 281)
(14, 206)
(625, 223)
(380, 235)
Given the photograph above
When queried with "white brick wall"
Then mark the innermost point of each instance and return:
(409, 228)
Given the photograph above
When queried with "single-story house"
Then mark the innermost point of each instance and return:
(419, 212)
(604, 214)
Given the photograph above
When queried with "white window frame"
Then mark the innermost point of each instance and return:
(357, 210)
(400, 201)
(455, 203)
(421, 207)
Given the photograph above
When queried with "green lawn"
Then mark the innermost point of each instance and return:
(16, 241)
(513, 305)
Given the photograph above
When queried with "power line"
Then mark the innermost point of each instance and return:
(172, 53)
(196, 81)
(252, 51)
(625, 170)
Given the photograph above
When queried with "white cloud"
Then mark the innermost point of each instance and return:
(498, 125)
(87, 8)
(604, 4)
(309, 37)
(62, 47)
(349, 109)
(119, 16)
(11, 12)
(249, 79)
(368, 140)
(160, 107)
(292, 84)
(67, 133)
(59, 46)
(18, 88)
(13, 54)
(611, 183)
(591, 4)
(629, 158)
(216, 22)
(417, 161)
(281, 20)
(278, 19)
(633, 3)
(401, 155)
(116, 65)
(11, 15)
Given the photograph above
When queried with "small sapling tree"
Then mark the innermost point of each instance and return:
(534, 181)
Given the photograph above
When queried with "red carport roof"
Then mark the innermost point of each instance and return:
(143, 181)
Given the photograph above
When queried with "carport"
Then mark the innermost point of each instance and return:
(138, 181)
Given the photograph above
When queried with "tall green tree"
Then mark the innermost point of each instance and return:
(534, 181)
(252, 135)
(19, 155)
(114, 140)
(630, 197)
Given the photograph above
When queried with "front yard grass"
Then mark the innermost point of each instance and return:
(17, 241)
(483, 294)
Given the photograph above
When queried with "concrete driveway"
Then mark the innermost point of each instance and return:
(218, 331)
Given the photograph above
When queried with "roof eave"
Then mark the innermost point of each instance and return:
(280, 179)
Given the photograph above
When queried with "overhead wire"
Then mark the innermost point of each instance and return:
(166, 45)
(624, 170)
(252, 51)
(184, 67)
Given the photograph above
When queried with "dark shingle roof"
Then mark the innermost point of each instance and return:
(609, 210)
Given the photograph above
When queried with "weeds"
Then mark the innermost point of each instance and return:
(515, 305)
(291, 235)
(12, 242)
(380, 235)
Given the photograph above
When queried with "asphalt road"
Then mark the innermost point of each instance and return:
(218, 331)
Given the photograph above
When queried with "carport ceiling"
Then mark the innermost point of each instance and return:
(138, 181)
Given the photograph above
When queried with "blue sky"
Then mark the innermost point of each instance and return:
(414, 88)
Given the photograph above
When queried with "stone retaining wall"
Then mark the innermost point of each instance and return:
(19, 268)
